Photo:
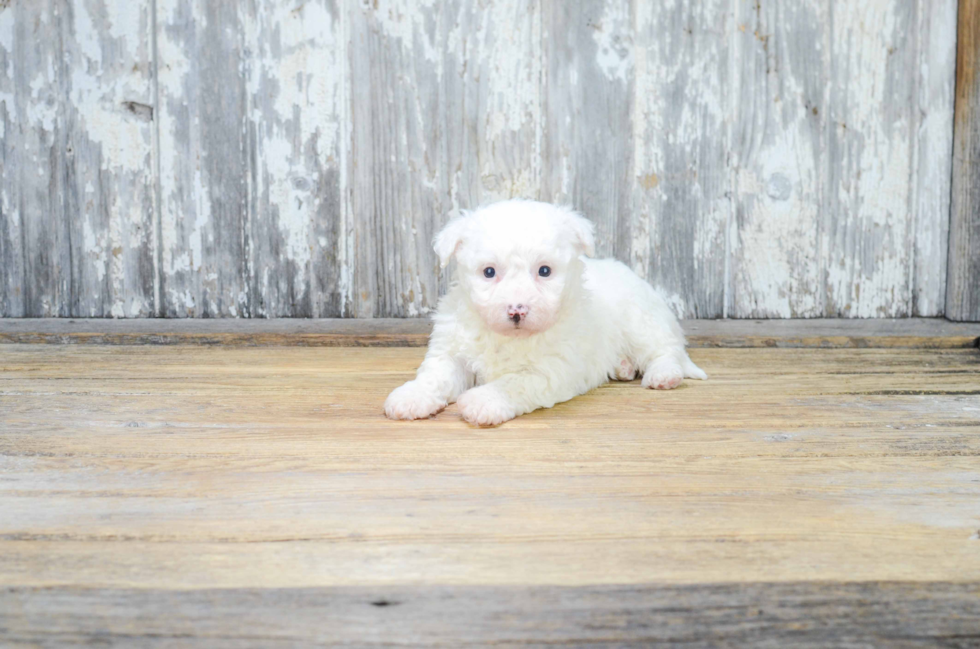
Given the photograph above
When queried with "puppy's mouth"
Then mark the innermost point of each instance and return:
(518, 327)
(518, 323)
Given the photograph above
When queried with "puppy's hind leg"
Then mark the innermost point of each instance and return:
(624, 371)
(666, 372)
(657, 341)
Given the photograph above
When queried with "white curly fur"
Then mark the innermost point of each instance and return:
(586, 322)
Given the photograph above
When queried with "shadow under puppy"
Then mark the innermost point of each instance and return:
(531, 322)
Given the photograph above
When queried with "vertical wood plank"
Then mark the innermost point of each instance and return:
(22, 168)
(399, 175)
(963, 290)
(35, 161)
(444, 108)
(870, 117)
(682, 203)
(841, 154)
(204, 165)
(109, 183)
(779, 153)
(588, 137)
(495, 82)
(76, 208)
(933, 159)
(296, 65)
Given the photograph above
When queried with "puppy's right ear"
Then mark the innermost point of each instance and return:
(583, 232)
(450, 238)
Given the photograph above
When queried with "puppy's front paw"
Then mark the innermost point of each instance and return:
(663, 374)
(412, 401)
(485, 406)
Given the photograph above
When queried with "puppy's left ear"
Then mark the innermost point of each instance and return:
(450, 238)
(583, 232)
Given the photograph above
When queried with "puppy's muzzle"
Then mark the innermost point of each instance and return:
(516, 313)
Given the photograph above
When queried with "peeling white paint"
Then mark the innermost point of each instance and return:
(676, 303)
(74, 150)
(307, 72)
(295, 207)
(681, 116)
(94, 243)
(932, 167)
(44, 107)
(87, 37)
(125, 142)
(867, 266)
(174, 71)
(647, 119)
(406, 21)
(7, 37)
(613, 37)
(99, 90)
(779, 221)
(862, 234)
(509, 43)
(346, 245)
(296, 87)
(126, 19)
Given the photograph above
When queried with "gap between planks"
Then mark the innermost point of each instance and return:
(909, 333)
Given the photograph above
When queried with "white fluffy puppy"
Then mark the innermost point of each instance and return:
(530, 322)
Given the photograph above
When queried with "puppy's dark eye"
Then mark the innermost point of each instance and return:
(544, 271)
(489, 272)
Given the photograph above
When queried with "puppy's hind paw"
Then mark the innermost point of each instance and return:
(624, 371)
(663, 375)
(485, 406)
(412, 401)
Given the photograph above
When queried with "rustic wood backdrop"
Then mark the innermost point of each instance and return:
(261, 158)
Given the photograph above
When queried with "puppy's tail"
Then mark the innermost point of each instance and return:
(692, 371)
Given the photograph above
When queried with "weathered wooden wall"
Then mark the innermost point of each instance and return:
(963, 297)
(260, 158)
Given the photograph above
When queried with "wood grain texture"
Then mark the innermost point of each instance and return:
(778, 147)
(705, 615)
(400, 178)
(205, 267)
(76, 204)
(588, 151)
(210, 488)
(297, 96)
(252, 150)
(932, 126)
(682, 180)
(260, 159)
(963, 296)
(36, 264)
(867, 242)
(445, 105)
(837, 216)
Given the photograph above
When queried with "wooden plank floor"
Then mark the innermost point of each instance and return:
(255, 496)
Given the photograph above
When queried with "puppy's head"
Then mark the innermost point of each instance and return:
(517, 260)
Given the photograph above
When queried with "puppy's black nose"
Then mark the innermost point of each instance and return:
(516, 318)
(515, 313)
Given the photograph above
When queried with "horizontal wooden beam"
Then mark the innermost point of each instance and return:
(396, 332)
